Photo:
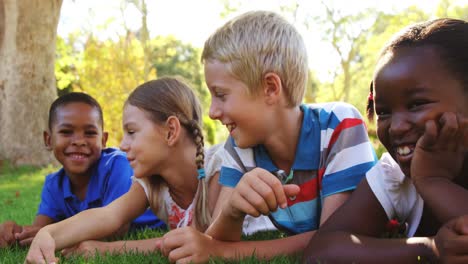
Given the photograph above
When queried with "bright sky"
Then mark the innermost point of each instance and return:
(193, 21)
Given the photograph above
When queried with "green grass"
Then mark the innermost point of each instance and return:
(20, 193)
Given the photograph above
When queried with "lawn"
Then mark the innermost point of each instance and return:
(20, 192)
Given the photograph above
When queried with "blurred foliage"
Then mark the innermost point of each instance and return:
(110, 69)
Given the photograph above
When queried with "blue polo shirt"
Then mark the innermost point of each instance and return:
(110, 180)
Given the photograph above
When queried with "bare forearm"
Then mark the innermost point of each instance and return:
(437, 193)
(86, 225)
(127, 246)
(226, 228)
(361, 249)
(266, 249)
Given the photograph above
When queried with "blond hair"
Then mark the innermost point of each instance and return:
(161, 99)
(257, 43)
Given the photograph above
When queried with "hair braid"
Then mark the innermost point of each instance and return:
(199, 141)
(202, 215)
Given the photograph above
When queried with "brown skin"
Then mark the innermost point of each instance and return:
(420, 106)
(76, 139)
(452, 241)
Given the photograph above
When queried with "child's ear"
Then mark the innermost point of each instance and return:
(173, 128)
(46, 137)
(272, 87)
(105, 136)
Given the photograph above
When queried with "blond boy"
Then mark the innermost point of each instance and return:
(295, 163)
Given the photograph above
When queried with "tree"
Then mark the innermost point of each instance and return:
(28, 30)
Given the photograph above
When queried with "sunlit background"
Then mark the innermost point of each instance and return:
(108, 47)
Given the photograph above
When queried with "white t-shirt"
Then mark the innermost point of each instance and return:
(179, 217)
(396, 193)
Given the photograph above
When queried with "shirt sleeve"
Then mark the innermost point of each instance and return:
(233, 166)
(119, 180)
(49, 204)
(346, 148)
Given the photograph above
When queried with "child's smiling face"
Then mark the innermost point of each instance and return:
(143, 141)
(76, 138)
(245, 116)
(412, 86)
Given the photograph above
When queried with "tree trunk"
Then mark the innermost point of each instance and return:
(28, 30)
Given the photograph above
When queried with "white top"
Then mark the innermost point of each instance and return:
(176, 217)
(396, 193)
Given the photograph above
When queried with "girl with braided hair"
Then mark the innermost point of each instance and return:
(164, 144)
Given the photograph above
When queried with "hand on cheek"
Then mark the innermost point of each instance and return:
(441, 149)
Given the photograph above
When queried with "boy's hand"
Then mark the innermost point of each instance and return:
(7, 233)
(26, 236)
(187, 245)
(452, 241)
(440, 152)
(258, 192)
(42, 249)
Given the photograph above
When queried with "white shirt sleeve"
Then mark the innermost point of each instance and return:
(396, 193)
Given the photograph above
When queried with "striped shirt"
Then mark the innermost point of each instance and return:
(333, 154)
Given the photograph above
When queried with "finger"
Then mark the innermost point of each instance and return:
(250, 204)
(27, 233)
(448, 131)
(68, 252)
(178, 254)
(158, 244)
(266, 193)
(277, 188)
(457, 245)
(26, 242)
(461, 225)
(291, 190)
(170, 241)
(49, 256)
(185, 260)
(34, 257)
(429, 137)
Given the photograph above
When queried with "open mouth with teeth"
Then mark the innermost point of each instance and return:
(77, 156)
(405, 150)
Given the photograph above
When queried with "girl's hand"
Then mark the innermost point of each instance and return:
(452, 241)
(440, 152)
(258, 192)
(42, 249)
(187, 245)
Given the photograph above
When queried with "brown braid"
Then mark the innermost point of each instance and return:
(198, 137)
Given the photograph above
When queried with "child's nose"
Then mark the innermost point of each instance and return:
(399, 124)
(215, 111)
(79, 140)
(123, 146)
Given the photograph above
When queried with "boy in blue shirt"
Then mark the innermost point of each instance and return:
(91, 176)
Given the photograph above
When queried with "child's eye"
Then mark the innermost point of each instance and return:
(417, 103)
(91, 133)
(382, 113)
(65, 131)
(220, 95)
